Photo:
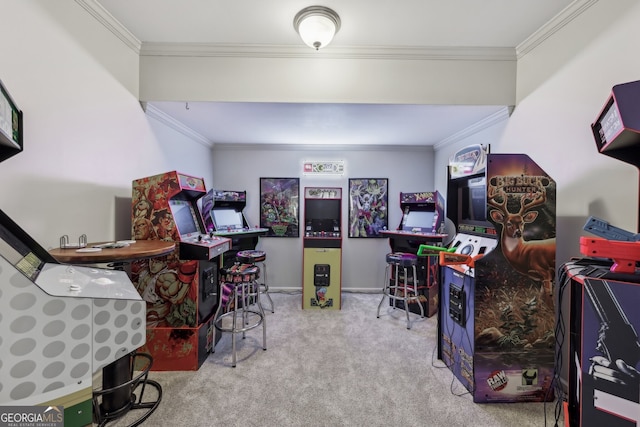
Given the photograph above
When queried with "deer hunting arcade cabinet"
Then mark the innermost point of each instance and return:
(497, 317)
(421, 224)
(180, 289)
(322, 253)
(223, 214)
(604, 286)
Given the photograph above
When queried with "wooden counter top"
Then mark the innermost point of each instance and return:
(138, 250)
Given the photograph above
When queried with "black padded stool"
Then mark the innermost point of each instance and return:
(239, 309)
(254, 257)
(404, 287)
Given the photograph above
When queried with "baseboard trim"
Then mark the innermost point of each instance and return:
(292, 290)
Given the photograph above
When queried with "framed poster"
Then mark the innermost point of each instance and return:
(368, 207)
(280, 206)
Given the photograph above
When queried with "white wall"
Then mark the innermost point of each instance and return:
(562, 85)
(552, 121)
(85, 135)
(408, 170)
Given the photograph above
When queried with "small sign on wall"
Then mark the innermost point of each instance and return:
(331, 167)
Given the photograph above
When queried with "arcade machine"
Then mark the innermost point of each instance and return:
(60, 324)
(422, 224)
(180, 289)
(497, 319)
(322, 255)
(604, 292)
(223, 215)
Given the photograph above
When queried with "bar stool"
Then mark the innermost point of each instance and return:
(254, 257)
(403, 287)
(239, 309)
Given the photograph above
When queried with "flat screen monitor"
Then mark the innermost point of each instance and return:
(227, 219)
(184, 216)
(473, 200)
(322, 209)
(418, 219)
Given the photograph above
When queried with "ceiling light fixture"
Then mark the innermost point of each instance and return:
(316, 25)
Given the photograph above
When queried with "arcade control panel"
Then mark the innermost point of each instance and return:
(468, 244)
(322, 228)
(203, 246)
(238, 231)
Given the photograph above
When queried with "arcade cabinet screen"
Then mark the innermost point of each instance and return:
(472, 200)
(322, 209)
(418, 219)
(17, 247)
(227, 219)
(322, 214)
(184, 216)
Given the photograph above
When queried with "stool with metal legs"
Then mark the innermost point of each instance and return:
(401, 288)
(239, 309)
(257, 257)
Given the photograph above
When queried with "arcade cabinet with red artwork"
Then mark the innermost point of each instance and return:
(180, 289)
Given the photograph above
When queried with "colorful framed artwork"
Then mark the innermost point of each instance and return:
(280, 206)
(368, 203)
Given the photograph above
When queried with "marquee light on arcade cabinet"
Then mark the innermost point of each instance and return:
(60, 324)
(604, 348)
(180, 289)
(421, 224)
(223, 214)
(497, 312)
(322, 253)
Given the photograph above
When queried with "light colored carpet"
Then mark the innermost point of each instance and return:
(331, 368)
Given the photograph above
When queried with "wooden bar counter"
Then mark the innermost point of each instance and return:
(138, 250)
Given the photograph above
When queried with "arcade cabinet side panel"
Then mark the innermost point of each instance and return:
(58, 373)
(515, 313)
(456, 324)
(610, 354)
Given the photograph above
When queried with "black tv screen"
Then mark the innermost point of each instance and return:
(322, 209)
(184, 216)
(473, 200)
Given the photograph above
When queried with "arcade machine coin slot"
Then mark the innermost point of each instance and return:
(604, 291)
(492, 291)
(457, 304)
(180, 289)
(223, 215)
(322, 248)
(422, 223)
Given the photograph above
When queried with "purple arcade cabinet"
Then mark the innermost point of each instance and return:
(604, 292)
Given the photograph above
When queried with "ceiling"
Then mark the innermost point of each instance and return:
(374, 24)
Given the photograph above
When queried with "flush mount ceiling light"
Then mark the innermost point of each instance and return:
(316, 25)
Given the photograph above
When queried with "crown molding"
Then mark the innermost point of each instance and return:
(554, 25)
(174, 124)
(323, 147)
(110, 23)
(374, 52)
(497, 117)
(333, 52)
